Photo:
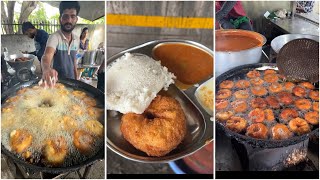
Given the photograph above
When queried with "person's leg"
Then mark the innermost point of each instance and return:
(226, 24)
(100, 84)
(246, 26)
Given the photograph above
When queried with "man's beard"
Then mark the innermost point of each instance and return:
(66, 29)
(32, 36)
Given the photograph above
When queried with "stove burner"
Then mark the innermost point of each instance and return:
(297, 156)
(24, 74)
(270, 159)
(20, 73)
(20, 172)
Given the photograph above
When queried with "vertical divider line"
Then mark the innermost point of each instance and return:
(105, 89)
(214, 92)
(1, 50)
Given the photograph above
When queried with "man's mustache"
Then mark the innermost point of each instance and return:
(68, 24)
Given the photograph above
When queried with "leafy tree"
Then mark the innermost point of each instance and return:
(55, 17)
(8, 16)
(39, 15)
(27, 13)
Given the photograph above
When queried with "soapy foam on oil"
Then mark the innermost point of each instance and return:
(45, 123)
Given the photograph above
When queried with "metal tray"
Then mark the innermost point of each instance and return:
(199, 125)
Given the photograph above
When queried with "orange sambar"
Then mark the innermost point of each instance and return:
(237, 40)
(189, 63)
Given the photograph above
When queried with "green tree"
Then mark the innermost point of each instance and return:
(9, 16)
(55, 17)
(38, 15)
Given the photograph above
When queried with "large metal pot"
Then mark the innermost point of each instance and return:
(89, 57)
(278, 42)
(99, 57)
(226, 60)
(32, 168)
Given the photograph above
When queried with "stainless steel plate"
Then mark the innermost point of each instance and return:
(199, 125)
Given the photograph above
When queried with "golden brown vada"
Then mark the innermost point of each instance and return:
(223, 116)
(223, 94)
(253, 74)
(280, 131)
(312, 117)
(314, 95)
(79, 94)
(259, 90)
(83, 141)
(257, 130)
(157, 131)
(303, 104)
(299, 126)
(236, 124)
(221, 104)
(256, 115)
(241, 84)
(90, 101)
(227, 84)
(55, 151)
(68, 123)
(258, 103)
(20, 140)
(95, 127)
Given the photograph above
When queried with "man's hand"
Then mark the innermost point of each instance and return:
(50, 77)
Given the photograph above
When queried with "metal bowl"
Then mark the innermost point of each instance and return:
(15, 56)
(16, 65)
(199, 125)
(278, 42)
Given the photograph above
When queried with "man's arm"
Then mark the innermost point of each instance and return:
(75, 69)
(47, 72)
(225, 9)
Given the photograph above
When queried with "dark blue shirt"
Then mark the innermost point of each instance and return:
(41, 39)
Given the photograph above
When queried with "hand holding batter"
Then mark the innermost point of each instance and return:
(50, 77)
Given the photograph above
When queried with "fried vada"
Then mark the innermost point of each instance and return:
(20, 140)
(55, 151)
(157, 131)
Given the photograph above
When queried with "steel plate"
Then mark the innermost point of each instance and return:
(199, 125)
